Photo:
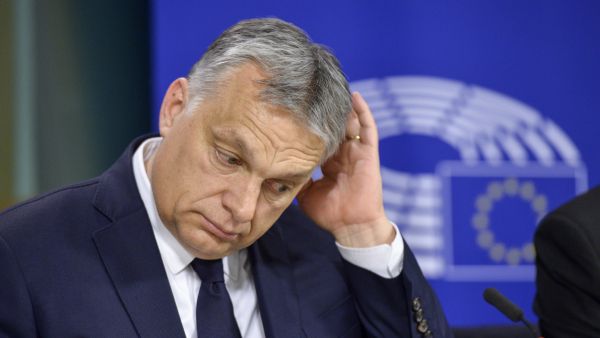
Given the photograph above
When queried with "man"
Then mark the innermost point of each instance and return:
(126, 254)
(567, 244)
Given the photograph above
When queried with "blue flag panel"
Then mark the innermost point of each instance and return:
(487, 113)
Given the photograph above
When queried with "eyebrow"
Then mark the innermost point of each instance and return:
(230, 134)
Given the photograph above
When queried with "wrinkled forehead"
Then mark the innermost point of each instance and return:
(239, 99)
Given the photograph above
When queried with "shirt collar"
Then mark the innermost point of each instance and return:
(175, 257)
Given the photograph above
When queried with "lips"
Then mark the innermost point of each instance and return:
(217, 231)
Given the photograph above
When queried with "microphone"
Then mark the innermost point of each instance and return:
(508, 308)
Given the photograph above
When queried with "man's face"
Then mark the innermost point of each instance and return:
(225, 172)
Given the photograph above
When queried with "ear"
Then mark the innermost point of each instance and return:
(173, 105)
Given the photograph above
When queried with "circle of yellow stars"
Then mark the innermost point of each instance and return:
(496, 191)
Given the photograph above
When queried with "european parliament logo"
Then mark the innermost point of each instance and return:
(468, 173)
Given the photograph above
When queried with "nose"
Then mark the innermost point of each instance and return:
(241, 198)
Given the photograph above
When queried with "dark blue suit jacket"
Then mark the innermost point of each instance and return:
(82, 261)
(567, 245)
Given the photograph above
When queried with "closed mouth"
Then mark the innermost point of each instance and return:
(216, 230)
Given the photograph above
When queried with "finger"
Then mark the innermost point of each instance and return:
(368, 128)
(352, 125)
(305, 187)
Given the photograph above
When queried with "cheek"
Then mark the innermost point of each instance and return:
(181, 179)
(196, 173)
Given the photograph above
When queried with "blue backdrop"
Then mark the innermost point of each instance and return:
(487, 112)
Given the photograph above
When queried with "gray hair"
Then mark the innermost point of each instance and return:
(304, 77)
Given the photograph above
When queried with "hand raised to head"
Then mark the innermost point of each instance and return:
(347, 201)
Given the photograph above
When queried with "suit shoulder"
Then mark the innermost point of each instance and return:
(582, 211)
(577, 221)
(302, 234)
(53, 207)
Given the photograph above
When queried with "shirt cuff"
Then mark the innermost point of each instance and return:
(385, 260)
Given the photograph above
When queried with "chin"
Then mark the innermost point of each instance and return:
(209, 248)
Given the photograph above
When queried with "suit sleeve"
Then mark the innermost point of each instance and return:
(404, 306)
(568, 279)
(16, 312)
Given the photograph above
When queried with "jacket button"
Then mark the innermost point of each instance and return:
(419, 315)
(416, 304)
(422, 327)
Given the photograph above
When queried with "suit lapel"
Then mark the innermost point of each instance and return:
(129, 252)
(273, 278)
(128, 249)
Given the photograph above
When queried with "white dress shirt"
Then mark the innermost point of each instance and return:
(384, 260)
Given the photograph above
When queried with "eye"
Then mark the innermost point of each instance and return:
(228, 159)
(278, 187)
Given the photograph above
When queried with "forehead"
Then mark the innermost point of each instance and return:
(237, 115)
